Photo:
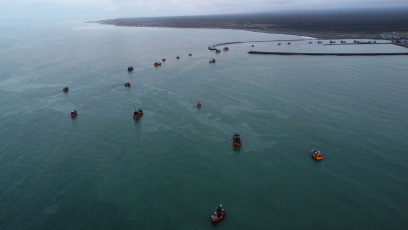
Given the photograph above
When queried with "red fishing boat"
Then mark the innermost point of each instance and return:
(218, 214)
(138, 113)
(65, 89)
(198, 104)
(156, 64)
(212, 60)
(225, 48)
(74, 113)
(127, 84)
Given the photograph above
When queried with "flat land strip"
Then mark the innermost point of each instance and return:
(358, 24)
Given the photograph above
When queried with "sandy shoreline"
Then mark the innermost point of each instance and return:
(307, 35)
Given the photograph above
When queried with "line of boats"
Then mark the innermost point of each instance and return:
(330, 42)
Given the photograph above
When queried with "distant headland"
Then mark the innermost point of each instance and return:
(335, 24)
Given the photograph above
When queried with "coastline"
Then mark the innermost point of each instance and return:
(363, 24)
(306, 34)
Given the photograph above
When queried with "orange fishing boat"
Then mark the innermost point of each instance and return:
(236, 139)
(317, 155)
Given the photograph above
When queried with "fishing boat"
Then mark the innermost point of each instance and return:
(212, 60)
(218, 214)
(178, 57)
(198, 104)
(164, 59)
(225, 48)
(138, 113)
(74, 113)
(65, 89)
(127, 84)
(156, 64)
(190, 54)
(217, 51)
(236, 139)
(317, 155)
(130, 68)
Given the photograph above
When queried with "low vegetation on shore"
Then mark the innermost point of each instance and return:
(318, 24)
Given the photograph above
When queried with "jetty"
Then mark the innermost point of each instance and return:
(327, 54)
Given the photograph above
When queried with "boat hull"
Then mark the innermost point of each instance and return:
(216, 219)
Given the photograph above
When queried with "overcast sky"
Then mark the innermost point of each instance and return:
(106, 9)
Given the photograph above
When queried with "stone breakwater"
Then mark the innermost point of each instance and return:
(327, 54)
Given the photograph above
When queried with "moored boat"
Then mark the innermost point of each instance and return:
(65, 89)
(127, 84)
(218, 214)
(217, 51)
(130, 68)
(156, 64)
(212, 60)
(317, 155)
(178, 57)
(164, 59)
(225, 48)
(198, 104)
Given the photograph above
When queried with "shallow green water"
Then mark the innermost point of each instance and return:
(171, 168)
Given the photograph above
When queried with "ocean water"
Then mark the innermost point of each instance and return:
(172, 167)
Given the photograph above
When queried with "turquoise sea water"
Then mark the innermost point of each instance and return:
(171, 168)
